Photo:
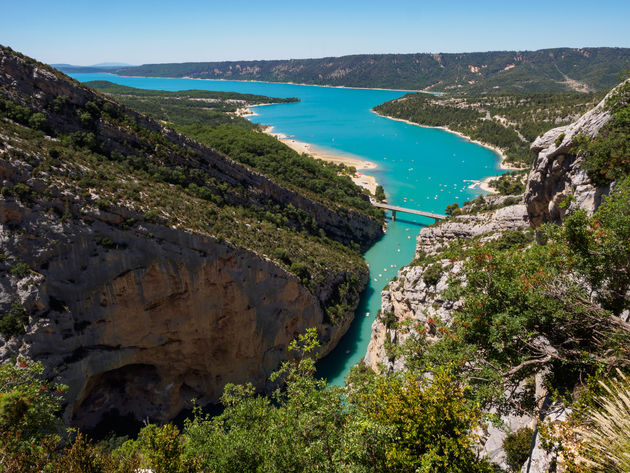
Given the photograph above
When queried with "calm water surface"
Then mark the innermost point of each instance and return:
(420, 168)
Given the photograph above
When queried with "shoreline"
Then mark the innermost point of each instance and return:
(267, 82)
(247, 111)
(360, 179)
(485, 186)
(502, 163)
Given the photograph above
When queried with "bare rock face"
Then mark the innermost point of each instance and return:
(432, 239)
(557, 173)
(410, 305)
(152, 320)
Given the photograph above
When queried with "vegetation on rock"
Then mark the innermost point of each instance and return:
(397, 424)
(608, 154)
(517, 447)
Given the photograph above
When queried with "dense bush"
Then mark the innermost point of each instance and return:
(508, 184)
(432, 274)
(517, 446)
(12, 322)
(395, 424)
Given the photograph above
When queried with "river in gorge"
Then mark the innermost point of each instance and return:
(420, 168)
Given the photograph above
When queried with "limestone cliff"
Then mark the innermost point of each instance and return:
(135, 288)
(144, 328)
(423, 296)
(418, 303)
(558, 173)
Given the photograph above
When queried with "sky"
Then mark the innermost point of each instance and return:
(140, 31)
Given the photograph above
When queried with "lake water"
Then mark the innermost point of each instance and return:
(421, 168)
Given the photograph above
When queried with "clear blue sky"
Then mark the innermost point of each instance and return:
(141, 31)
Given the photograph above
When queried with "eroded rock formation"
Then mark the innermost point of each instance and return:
(558, 172)
(135, 315)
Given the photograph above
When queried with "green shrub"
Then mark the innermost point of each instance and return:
(106, 243)
(20, 270)
(389, 319)
(432, 274)
(517, 446)
(22, 190)
(37, 121)
(152, 216)
(86, 120)
(300, 270)
(511, 239)
(379, 194)
(163, 450)
(508, 183)
(12, 323)
(559, 139)
(452, 210)
(281, 254)
(60, 103)
(103, 204)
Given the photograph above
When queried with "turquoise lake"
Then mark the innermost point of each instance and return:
(421, 168)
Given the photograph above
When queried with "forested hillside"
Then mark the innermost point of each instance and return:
(211, 119)
(509, 122)
(547, 70)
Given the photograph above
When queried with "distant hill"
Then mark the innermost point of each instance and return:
(546, 70)
(112, 64)
(100, 67)
(71, 69)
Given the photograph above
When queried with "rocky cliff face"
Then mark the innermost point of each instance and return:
(414, 304)
(136, 312)
(557, 172)
(144, 327)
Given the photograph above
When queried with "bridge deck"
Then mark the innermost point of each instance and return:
(395, 208)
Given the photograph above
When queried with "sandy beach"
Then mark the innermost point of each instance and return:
(360, 179)
(485, 186)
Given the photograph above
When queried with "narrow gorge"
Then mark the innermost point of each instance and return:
(137, 299)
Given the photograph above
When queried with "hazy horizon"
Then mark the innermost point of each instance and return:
(138, 32)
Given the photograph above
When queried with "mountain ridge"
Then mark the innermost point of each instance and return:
(549, 70)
